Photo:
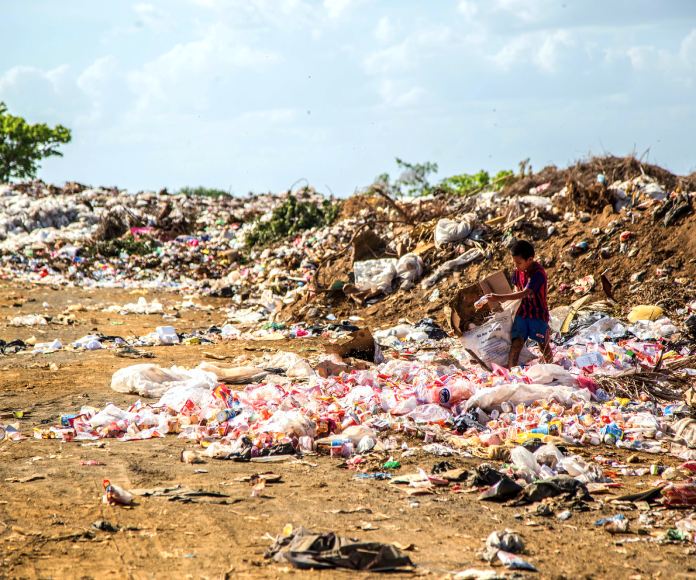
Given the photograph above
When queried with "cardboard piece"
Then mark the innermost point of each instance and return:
(461, 307)
(359, 344)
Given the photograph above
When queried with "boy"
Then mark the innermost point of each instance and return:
(532, 318)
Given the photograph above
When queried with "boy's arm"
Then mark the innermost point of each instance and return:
(534, 285)
(508, 297)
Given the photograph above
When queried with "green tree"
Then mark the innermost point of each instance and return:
(23, 145)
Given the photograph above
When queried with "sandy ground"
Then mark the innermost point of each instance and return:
(45, 524)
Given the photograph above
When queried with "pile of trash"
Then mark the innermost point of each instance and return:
(612, 382)
(381, 257)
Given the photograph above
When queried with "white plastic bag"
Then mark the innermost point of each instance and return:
(492, 397)
(409, 269)
(291, 422)
(449, 230)
(547, 374)
(524, 460)
(491, 341)
(293, 365)
(89, 342)
(148, 380)
(430, 413)
(167, 335)
(375, 275)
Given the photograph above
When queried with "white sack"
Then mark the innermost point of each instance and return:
(491, 341)
(515, 393)
(409, 268)
(374, 275)
(448, 230)
(148, 380)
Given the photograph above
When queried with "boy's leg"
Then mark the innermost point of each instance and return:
(516, 345)
(542, 337)
(546, 350)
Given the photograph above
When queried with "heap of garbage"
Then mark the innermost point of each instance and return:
(390, 287)
(372, 254)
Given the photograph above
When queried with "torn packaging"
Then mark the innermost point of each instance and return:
(305, 549)
(461, 309)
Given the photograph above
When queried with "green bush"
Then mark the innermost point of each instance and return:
(128, 244)
(290, 218)
(468, 183)
(204, 191)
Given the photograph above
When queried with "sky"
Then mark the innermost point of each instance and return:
(253, 95)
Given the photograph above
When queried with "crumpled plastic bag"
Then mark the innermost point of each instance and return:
(653, 329)
(149, 380)
(293, 365)
(28, 320)
(449, 230)
(491, 340)
(375, 275)
(291, 422)
(409, 269)
(492, 397)
(547, 374)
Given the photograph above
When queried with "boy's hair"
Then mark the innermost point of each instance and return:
(523, 249)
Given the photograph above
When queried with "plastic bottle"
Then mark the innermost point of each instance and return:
(453, 394)
(611, 433)
(524, 459)
(226, 415)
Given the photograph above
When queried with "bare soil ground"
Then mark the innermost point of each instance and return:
(45, 524)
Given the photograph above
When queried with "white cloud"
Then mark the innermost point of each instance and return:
(101, 83)
(36, 92)
(403, 55)
(544, 49)
(384, 31)
(547, 55)
(468, 8)
(525, 10)
(396, 95)
(388, 60)
(687, 49)
(279, 13)
(182, 75)
(335, 8)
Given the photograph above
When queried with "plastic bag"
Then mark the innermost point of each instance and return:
(89, 342)
(524, 459)
(148, 380)
(451, 266)
(491, 341)
(109, 414)
(430, 413)
(167, 335)
(492, 397)
(449, 230)
(293, 365)
(546, 374)
(548, 454)
(409, 269)
(375, 275)
(291, 422)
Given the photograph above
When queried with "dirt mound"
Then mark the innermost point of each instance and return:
(577, 234)
(585, 172)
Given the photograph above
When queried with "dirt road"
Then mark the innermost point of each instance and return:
(49, 497)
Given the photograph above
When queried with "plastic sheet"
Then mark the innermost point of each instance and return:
(375, 275)
(149, 380)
